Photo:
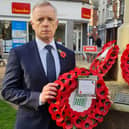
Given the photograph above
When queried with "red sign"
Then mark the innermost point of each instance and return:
(86, 13)
(90, 48)
(20, 8)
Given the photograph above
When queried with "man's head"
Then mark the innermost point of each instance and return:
(44, 21)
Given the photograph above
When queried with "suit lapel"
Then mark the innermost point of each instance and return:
(62, 60)
(38, 61)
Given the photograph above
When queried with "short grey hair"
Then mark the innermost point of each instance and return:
(41, 3)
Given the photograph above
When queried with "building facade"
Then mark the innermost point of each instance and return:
(110, 18)
(102, 11)
(15, 28)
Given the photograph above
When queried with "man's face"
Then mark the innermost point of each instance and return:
(44, 23)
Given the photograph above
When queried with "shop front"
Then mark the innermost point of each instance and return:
(15, 27)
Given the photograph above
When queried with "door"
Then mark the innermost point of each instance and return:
(77, 40)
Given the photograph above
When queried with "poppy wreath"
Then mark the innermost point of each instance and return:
(102, 64)
(125, 64)
(69, 118)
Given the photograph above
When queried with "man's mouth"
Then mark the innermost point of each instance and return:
(46, 31)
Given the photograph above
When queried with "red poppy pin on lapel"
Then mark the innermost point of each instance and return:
(62, 53)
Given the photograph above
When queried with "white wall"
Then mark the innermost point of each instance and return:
(69, 10)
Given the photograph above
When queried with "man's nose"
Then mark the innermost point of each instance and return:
(45, 22)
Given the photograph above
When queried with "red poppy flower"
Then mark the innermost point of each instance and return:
(83, 71)
(62, 54)
(87, 124)
(77, 122)
(100, 84)
(98, 117)
(68, 124)
(102, 110)
(71, 84)
(58, 116)
(53, 108)
(107, 103)
(102, 93)
(60, 123)
(95, 123)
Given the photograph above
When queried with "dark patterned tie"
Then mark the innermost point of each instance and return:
(51, 69)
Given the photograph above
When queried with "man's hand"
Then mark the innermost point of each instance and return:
(49, 91)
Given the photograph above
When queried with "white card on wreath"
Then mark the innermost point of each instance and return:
(86, 86)
(79, 103)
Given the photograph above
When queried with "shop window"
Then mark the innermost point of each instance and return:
(60, 34)
(7, 31)
(5, 36)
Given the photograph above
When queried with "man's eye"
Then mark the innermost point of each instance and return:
(40, 19)
(50, 19)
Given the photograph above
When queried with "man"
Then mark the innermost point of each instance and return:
(26, 81)
(98, 42)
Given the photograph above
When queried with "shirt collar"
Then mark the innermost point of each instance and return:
(41, 44)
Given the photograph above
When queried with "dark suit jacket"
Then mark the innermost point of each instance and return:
(24, 80)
